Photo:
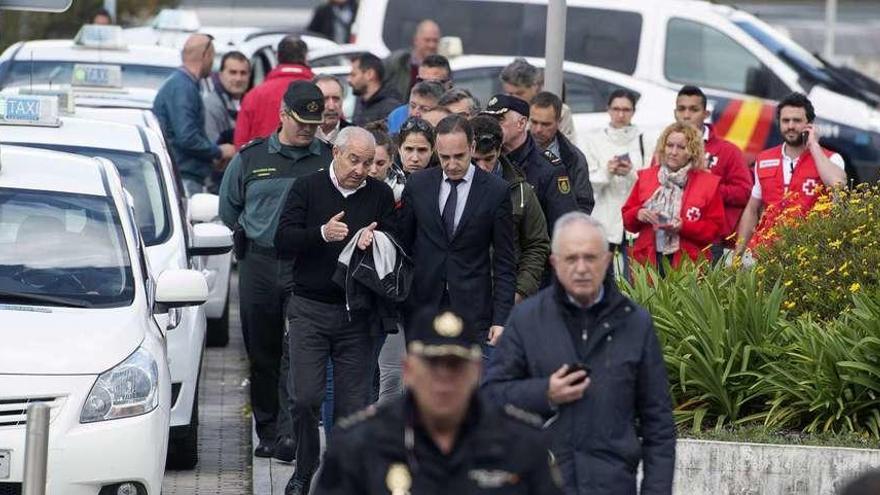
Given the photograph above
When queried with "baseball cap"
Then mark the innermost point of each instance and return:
(305, 101)
(443, 334)
(499, 104)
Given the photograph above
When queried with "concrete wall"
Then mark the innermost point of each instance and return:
(716, 468)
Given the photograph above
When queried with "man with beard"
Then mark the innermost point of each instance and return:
(375, 99)
(792, 174)
(334, 92)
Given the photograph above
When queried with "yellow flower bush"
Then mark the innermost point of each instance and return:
(828, 256)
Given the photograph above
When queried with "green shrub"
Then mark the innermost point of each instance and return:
(826, 257)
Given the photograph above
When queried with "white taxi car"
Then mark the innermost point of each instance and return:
(79, 310)
(143, 164)
(54, 62)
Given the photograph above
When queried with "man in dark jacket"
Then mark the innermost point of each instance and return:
(586, 359)
(451, 218)
(375, 100)
(545, 113)
(552, 184)
(532, 242)
(334, 19)
(181, 113)
(402, 66)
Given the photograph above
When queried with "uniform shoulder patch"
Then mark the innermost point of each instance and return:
(552, 158)
(358, 417)
(253, 142)
(523, 416)
(563, 184)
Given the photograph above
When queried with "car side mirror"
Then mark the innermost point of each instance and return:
(178, 288)
(204, 207)
(210, 239)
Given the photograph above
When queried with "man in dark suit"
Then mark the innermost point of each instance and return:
(451, 219)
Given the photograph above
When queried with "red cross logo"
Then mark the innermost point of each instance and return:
(693, 214)
(711, 160)
(809, 187)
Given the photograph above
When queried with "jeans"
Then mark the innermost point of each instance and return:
(318, 332)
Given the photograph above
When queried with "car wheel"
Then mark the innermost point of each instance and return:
(218, 328)
(183, 446)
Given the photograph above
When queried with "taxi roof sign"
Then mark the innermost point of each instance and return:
(100, 36)
(96, 76)
(29, 110)
(177, 20)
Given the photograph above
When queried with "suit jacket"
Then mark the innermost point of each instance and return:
(477, 264)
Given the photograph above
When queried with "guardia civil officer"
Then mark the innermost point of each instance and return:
(551, 183)
(252, 194)
(440, 437)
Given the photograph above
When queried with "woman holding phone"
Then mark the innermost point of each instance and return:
(675, 207)
(614, 155)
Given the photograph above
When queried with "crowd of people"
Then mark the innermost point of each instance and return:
(451, 261)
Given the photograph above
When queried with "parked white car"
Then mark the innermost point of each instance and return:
(142, 161)
(57, 62)
(83, 321)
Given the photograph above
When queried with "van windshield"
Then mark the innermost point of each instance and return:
(600, 37)
(60, 249)
(811, 69)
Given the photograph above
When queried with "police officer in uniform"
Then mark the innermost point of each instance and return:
(252, 194)
(550, 181)
(440, 437)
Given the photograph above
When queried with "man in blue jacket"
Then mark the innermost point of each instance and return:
(181, 113)
(586, 358)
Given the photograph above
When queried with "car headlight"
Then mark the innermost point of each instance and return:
(129, 389)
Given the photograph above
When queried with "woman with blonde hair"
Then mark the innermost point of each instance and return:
(675, 207)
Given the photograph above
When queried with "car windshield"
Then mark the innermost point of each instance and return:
(142, 178)
(44, 72)
(61, 249)
(796, 57)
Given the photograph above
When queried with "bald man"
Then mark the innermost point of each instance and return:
(402, 66)
(181, 113)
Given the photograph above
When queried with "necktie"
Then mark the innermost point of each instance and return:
(449, 208)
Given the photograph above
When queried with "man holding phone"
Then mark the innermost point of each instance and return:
(587, 360)
(793, 173)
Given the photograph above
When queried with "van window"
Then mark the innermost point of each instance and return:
(606, 38)
(692, 57)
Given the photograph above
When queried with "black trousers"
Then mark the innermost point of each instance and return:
(264, 286)
(318, 331)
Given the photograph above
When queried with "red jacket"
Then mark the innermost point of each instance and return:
(260, 107)
(803, 191)
(702, 215)
(726, 161)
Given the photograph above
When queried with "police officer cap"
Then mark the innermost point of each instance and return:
(499, 104)
(305, 102)
(443, 334)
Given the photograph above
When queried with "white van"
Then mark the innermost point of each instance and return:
(742, 63)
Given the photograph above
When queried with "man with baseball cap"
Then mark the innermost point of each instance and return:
(251, 197)
(551, 183)
(440, 437)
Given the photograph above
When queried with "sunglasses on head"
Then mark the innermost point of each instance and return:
(417, 124)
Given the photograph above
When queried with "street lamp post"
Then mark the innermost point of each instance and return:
(554, 48)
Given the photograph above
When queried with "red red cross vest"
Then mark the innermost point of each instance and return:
(804, 189)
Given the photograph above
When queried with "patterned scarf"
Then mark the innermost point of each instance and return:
(666, 200)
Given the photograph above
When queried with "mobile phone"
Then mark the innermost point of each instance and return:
(804, 137)
(578, 367)
(624, 157)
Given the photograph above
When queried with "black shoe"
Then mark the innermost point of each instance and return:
(296, 486)
(285, 449)
(263, 450)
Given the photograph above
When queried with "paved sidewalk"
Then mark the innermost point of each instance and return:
(224, 429)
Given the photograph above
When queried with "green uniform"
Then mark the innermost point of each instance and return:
(256, 182)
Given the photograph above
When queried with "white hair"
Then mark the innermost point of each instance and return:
(576, 217)
(353, 132)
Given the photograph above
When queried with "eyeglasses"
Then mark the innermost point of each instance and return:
(417, 124)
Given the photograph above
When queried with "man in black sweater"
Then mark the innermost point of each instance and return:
(322, 213)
